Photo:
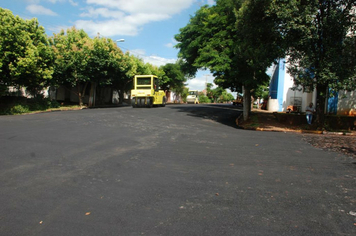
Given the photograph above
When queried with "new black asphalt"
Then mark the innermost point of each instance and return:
(174, 170)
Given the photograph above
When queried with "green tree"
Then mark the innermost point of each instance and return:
(320, 38)
(210, 92)
(129, 66)
(173, 77)
(236, 40)
(261, 91)
(72, 55)
(181, 92)
(217, 94)
(25, 56)
(124, 69)
(225, 97)
(203, 98)
(108, 66)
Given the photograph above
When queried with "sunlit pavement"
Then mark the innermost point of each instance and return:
(177, 170)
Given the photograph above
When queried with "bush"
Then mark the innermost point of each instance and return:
(204, 99)
(55, 104)
(40, 104)
(19, 105)
(19, 109)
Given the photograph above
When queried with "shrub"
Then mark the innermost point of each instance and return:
(54, 104)
(19, 109)
(39, 104)
(19, 105)
(204, 99)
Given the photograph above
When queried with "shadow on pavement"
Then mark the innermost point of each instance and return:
(225, 114)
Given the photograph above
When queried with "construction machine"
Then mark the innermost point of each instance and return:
(193, 97)
(146, 93)
(239, 101)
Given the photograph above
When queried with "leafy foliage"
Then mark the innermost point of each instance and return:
(320, 38)
(203, 98)
(235, 39)
(25, 58)
(28, 58)
(20, 105)
(18, 109)
(173, 77)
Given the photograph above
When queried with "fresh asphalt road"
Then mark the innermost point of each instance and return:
(175, 170)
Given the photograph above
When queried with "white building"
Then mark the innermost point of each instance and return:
(282, 96)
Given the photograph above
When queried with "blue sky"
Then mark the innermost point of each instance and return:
(148, 26)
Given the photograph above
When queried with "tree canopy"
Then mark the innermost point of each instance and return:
(31, 59)
(236, 40)
(25, 58)
(172, 77)
(239, 39)
(320, 39)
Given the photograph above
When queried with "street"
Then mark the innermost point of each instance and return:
(174, 170)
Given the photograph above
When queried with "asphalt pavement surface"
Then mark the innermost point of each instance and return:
(174, 170)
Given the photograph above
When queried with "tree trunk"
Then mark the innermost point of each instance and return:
(111, 95)
(121, 91)
(321, 90)
(81, 93)
(92, 94)
(121, 96)
(247, 103)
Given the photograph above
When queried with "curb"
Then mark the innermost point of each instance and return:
(340, 133)
(297, 131)
(312, 131)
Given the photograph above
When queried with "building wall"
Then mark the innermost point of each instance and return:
(21, 92)
(281, 82)
(346, 102)
(332, 104)
(281, 93)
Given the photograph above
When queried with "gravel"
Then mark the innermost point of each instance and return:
(345, 144)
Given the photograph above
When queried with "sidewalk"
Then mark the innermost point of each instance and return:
(262, 120)
(340, 142)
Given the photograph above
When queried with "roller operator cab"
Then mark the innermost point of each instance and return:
(193, 97)
(146, 93)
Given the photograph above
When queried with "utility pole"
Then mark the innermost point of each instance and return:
(206, 84)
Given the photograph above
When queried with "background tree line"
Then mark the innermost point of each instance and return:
(237, 40)
(31, 59)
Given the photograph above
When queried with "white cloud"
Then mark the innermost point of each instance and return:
(117, 24)
(171, 44)
(55, 29)
(123, 17)
(40, 10)
(107, 28)
(144, 6)
(199, 82)
(196, 84)
(54, 1)
(158, 61)
(102, 12)
(152, 59)
(210, 2)
(73, 3)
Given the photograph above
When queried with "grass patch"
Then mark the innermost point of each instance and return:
(21, 105)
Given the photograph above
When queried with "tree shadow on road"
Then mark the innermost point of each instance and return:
(225, 114)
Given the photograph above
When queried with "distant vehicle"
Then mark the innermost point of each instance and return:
(239, 101)
(193, 97)
(146, 93)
